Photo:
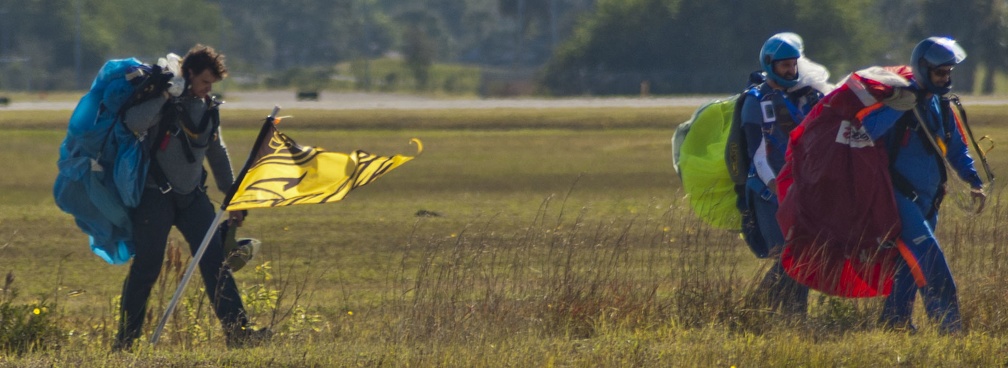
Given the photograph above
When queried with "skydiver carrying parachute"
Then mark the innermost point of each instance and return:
(876, 150)
(729, 153)
(768, 114)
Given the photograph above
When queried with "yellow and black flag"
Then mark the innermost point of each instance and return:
(280, 172)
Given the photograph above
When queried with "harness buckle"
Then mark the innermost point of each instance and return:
(166, 188)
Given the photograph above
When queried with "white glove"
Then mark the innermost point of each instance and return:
(902, 99)
(173, 64)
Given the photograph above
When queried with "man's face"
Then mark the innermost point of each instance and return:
(787, 68)
(201, 84)
(941, 76)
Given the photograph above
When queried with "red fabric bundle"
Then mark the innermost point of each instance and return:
(837, 209)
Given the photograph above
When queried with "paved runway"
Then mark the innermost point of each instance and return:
(352, 101)
(370, 101)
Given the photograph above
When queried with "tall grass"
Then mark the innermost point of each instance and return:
(482, 253)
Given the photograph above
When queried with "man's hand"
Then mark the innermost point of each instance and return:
(978, 195)
(236, 218)
(171, 65)
(902, 99)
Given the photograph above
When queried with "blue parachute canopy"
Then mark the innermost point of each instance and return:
(102, 165)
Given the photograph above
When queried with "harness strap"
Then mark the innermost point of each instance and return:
(170, 119)
(777, 98)
(900, 137)
(163, 134)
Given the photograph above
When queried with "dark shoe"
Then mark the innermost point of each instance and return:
(248, 338)
(954, 329)
(897, 325)
(122, 345)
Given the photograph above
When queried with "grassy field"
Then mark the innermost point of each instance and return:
(559, 238)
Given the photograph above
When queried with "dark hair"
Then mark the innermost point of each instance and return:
(202, 57)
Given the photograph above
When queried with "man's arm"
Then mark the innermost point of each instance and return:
(220, 166)
(144, 115)
(220, 163)
(958, 155)
(880, 120)
(752, 126)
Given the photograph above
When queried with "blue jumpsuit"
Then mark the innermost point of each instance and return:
(917, 200)
(767, 118)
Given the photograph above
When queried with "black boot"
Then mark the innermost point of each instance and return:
(897, 324)
(246, 337)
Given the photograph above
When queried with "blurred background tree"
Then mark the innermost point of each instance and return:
(564, 47)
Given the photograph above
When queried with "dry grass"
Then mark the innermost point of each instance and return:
(558, 244)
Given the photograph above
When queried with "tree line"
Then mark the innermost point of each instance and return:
(682, 46)
(578, 46)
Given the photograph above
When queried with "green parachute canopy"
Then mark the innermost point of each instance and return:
(699, 159)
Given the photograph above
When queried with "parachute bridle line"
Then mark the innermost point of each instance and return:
(982, 154)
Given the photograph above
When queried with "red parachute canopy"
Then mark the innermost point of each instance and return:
(837, 209)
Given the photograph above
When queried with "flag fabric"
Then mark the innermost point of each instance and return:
(280, 172)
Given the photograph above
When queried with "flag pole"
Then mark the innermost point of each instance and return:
(211, 231)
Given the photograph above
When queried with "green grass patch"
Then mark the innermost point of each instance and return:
(395, 119)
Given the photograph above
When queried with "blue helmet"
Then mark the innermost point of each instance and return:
(932, 53)
(781, 46)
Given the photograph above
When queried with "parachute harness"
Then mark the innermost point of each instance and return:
(961, 195)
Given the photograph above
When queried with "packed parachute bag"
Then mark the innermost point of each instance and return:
(710, 155)
(837, 207)
(698, 157)
(698, 148)
(102, 163)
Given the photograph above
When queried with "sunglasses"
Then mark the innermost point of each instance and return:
(941, 73)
